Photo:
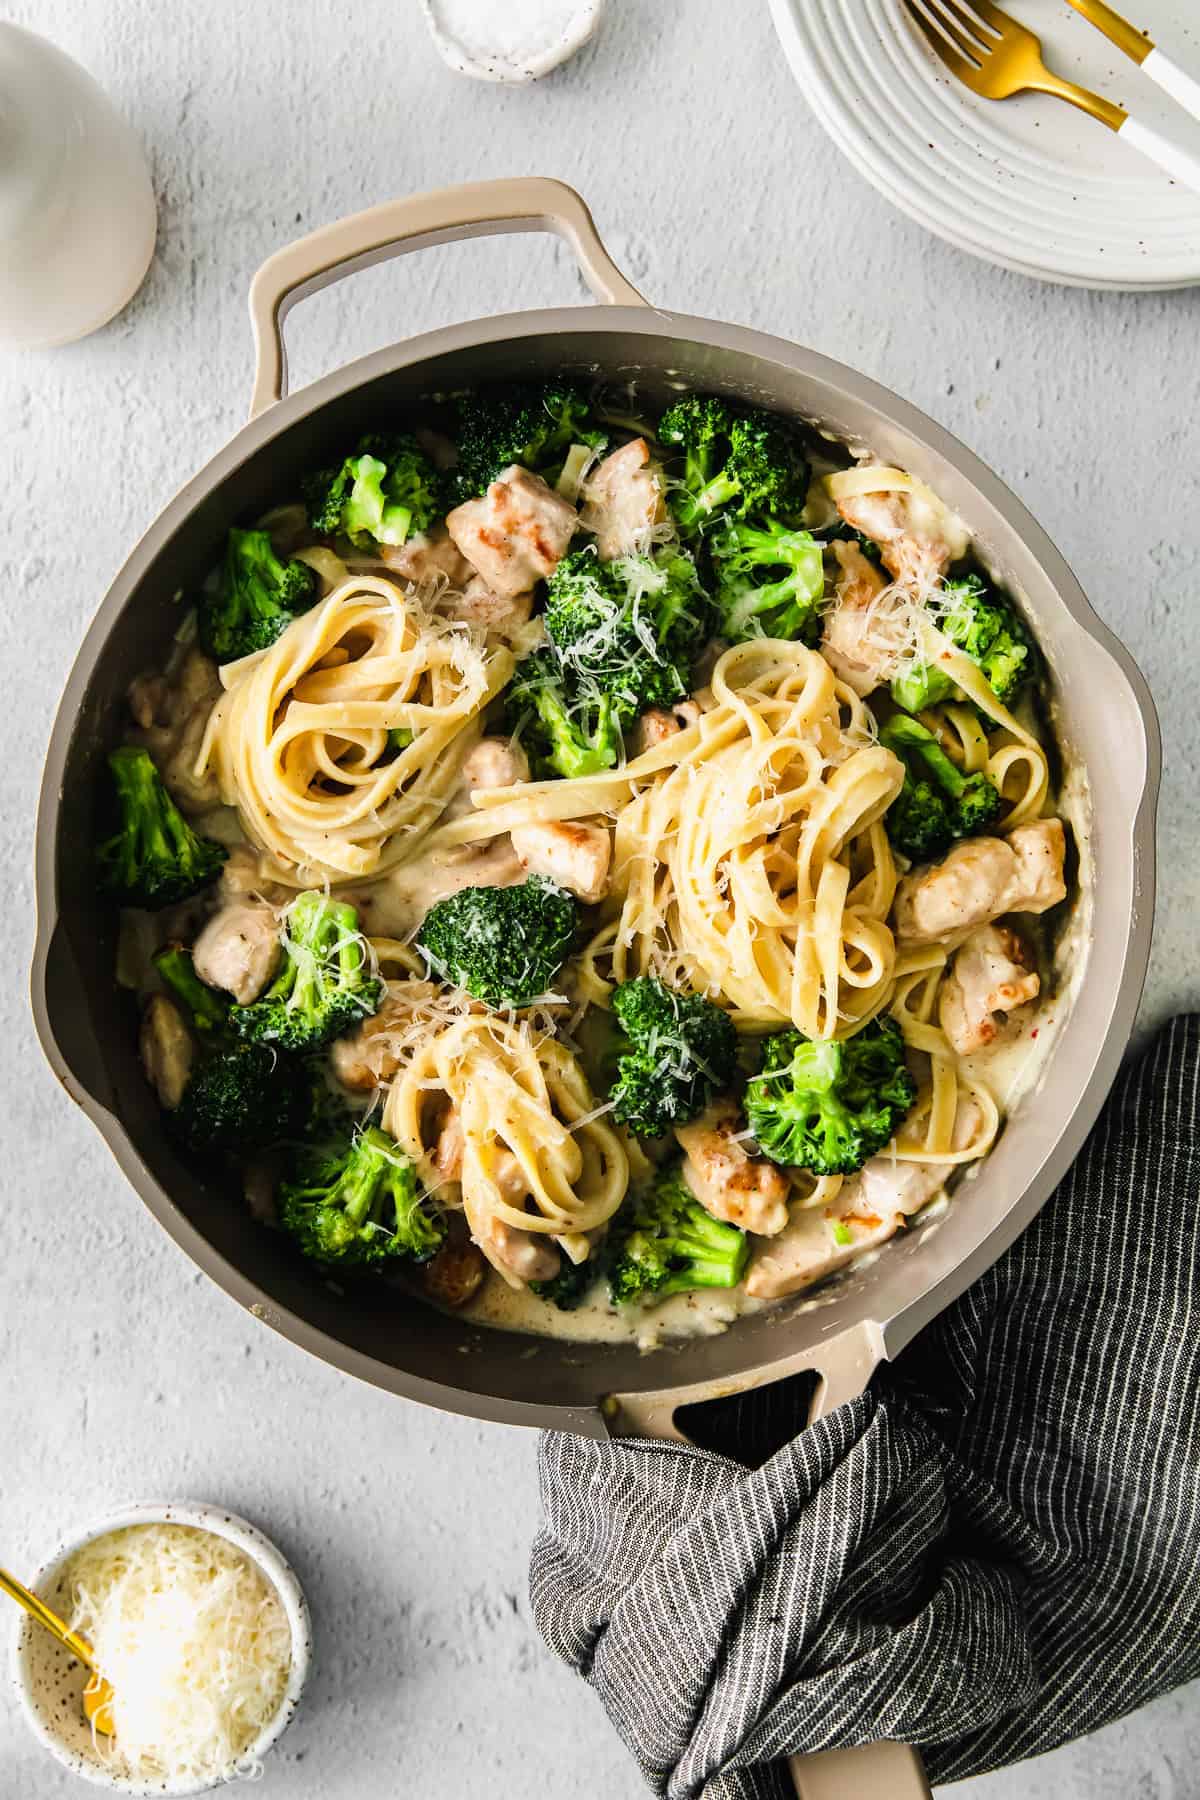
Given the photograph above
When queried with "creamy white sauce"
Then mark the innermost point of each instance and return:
(704, 1314)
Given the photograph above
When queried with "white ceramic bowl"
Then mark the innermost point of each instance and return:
(50, 1682)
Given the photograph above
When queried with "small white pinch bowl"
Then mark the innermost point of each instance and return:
(576, 23)
(50, 1682)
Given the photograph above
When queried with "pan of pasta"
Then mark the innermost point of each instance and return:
(591, 858)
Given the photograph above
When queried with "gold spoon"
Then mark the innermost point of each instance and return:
(97, 1695)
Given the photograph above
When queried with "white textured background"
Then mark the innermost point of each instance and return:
(124, 1373)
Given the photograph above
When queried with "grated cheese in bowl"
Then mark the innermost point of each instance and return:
(195, 1642)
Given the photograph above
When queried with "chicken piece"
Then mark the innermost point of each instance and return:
(399, 903)
(918, 539)
(448, 1152)
(516, 533)
(238, 950)
(991, 973)
(657, 725)
(148, 699)
(430, 556)
(166, 1049)
(980, 879)
(623, 500)
(869, 1208)
(367, 1057)
(478, 605)
(454, 1276)
(728, 1182)
(495, 762)
(967, 888)
(575, 857)
(242, 878)
(520, 1256)
(171, 716)
(857, 642)
(1040, 850)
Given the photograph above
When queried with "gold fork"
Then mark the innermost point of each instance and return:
(996, 56)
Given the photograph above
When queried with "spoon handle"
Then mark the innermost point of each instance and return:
(38, 1610)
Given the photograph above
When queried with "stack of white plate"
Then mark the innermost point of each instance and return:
(1031, 184)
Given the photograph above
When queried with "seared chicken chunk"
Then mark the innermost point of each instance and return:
(516, 533)
(477, 604)
(412, 888)
(917, 538)
(368, 1057)
(495, 762)
(623, 500)
(243, 878)
(448, 1151)
(428, 557)
(980, 879)
(454, 1276)
(857, 643)
(518, 1255)
(728, 1182)
(576, 857)
(171, 716)
(991, 973)
(1040, 850)
(870, 1207)
(166, 1049)
(657, 725)
(238, 950)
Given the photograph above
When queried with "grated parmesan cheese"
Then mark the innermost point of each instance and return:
(194, 1641)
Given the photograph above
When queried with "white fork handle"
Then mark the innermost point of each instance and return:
(1179, 163)
(1173, 80)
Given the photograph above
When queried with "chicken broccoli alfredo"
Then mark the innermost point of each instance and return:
(583, 861)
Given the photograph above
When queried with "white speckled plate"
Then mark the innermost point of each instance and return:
(1031, 183)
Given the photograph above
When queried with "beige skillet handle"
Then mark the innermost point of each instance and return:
(477, 209)
(883, 1771)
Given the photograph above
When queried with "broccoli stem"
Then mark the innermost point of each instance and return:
(207, 1009)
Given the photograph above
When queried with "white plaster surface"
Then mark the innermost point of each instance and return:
(124, 1372)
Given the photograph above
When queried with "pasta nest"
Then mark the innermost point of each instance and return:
(299, 740)
(536, 1153)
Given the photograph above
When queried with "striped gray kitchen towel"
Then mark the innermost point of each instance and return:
(994, 1550)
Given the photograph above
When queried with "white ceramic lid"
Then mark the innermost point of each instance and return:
(1031, 183)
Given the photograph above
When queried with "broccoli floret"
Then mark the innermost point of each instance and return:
(207, 1009)
(735, 462)
(255, 600)
(155, 858)
(565, 740)
(623, 637)
(937, 803)
(663, 1242)
(568, 1289)
(676, 1051)
(324, 987)
(829, 1106)
(519, 422)
(770, 581)
(359, 1202)
(505, 946)
(240, 1099)
(383, 493)
(985, 628)
(630, 628)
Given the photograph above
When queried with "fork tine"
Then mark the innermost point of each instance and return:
(990, 16)
(944, 22)
(957, 64)
(961, 19)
